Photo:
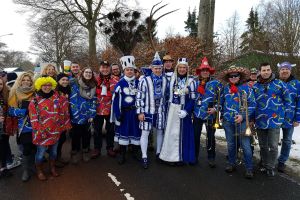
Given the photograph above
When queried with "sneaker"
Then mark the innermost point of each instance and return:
(230, 168)
(145, 163)
(270, 173)
(111, 153)
(95, 153)
(249, 174)
(281, 167)
(211, 164)
(15, 163)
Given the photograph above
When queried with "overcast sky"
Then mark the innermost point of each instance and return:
(16, 23)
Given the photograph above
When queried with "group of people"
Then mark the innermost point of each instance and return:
(160, 99)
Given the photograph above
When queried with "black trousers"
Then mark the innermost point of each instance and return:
(61, 141)
(211, 140)
(80, 137)
(4, 148)
(110, 133)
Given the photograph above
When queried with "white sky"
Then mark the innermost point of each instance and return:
(16, 23)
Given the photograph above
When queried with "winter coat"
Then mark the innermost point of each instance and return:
(104, 101)
(273, 103)
(207, 100)
(232, 104)
(49, 117)
(82, 109)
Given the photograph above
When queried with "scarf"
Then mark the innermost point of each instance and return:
(104, 80)
(169, 70)
(157, 84)
(20, 94)
(86, 91)
(201, 87)
(64, 90)
(45, 95)
(233, 88)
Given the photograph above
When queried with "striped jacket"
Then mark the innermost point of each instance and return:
(145, 103)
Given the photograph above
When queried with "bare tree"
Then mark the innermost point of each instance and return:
(56, 37)
(230, 35)
(86, 13)
(281, 22)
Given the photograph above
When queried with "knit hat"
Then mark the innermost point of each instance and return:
(285, 65)
(205, 65)
(11, 78)
(127, 62)
(60, 76)
(156, 62)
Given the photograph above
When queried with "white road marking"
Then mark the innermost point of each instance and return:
(118, 183)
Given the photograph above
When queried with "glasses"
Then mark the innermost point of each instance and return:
(234, 76)
(47, 85)
(87, 72)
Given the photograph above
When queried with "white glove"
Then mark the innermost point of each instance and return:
(182, 114)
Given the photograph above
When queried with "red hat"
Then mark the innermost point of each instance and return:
(205, 65)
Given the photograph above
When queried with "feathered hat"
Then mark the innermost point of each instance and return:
(44, 80)
(244, 73)
(285, 65)
(205, 65)
(127, 62)
(156, 62)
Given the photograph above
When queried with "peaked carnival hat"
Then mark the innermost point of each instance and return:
(204, 65)
(244, 73)
(156, 62)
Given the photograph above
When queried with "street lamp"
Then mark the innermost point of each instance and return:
(6, 34)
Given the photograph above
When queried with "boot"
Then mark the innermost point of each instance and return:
(86, 155)
(26, 168)
(111, 153)
(53, 169)
(39, 172)
(122, 159)
(74, 157)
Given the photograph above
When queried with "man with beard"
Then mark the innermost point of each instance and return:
(115, 70)
(273, 108)
(288, 125)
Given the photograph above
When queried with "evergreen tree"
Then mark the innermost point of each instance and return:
(191, 24)
(253, 37)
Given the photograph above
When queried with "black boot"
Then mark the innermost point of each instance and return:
(26, 168)
(121, 159)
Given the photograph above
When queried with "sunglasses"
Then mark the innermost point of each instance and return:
(233, 76)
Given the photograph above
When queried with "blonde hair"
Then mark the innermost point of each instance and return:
(44, 72)
(18, 84)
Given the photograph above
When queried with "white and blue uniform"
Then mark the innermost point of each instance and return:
(123, 112)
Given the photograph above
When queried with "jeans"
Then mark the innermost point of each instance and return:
(81, 136)
(286, 144)
(232, 131)
(99, 120)
(210, 139)
(268, 142)
(40, 151)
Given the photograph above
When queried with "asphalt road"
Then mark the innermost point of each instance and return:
(104, 179)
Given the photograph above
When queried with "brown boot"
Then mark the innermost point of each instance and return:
(39, 172)
(52, 168)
